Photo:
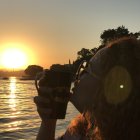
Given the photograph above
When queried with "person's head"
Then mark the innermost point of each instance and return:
(116, 105)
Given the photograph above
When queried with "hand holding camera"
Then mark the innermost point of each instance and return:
(53, 93)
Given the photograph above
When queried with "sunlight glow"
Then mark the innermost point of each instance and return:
(117, 85)
(121, 86)
(13, 58)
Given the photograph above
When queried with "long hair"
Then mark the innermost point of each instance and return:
(117, 104)
(82, 125)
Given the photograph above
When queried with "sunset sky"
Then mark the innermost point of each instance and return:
(52, 31)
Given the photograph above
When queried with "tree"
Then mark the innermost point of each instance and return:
(32, 70)
(106, 36)
(83, 54)
(59, 67)
(112, 34)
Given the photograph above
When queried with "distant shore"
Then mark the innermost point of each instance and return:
(17, 73)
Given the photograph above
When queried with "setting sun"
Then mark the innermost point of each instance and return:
(16, 55)
(13, 58)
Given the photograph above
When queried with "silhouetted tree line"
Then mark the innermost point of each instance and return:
(86, 54)
(32, 70)
(106, 37)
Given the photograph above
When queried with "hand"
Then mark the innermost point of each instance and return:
(49, 103)
(47, 127)
(42, 109)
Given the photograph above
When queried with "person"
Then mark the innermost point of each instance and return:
(107, 95)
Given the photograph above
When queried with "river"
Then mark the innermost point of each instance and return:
(18, 117)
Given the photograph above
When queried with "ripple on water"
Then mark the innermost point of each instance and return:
(18, 117)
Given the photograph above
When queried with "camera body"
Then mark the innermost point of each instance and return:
(53, 79)
(54, 85)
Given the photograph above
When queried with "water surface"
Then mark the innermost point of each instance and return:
(18, 117)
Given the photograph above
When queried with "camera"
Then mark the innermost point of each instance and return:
(54, 85)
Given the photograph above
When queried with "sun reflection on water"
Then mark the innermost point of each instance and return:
(14, 125)
(13, 104)
(12, 95)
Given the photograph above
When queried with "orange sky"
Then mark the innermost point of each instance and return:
(54, 31)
